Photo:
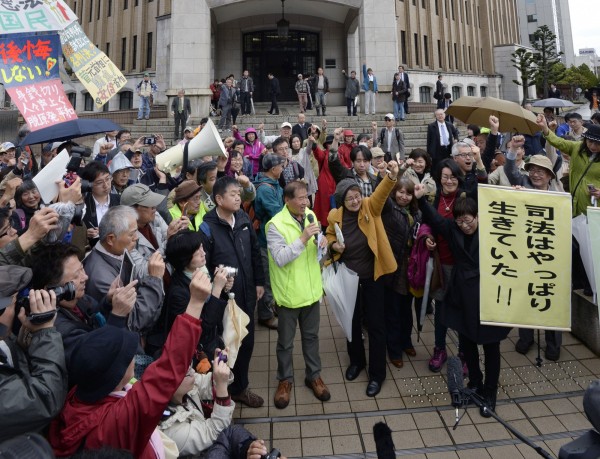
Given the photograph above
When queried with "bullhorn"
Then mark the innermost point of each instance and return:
(207, 143)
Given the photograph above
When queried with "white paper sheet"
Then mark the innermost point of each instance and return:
(46, 179)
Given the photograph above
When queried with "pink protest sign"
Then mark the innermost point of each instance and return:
(42, 104)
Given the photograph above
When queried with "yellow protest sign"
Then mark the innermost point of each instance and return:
(525, 258)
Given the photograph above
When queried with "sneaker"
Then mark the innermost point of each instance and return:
(437, 361)
(249, 398)
(522, 347)
(282, 394)
(464, 364)
(319, 388)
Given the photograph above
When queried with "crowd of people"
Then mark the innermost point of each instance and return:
(138, 364)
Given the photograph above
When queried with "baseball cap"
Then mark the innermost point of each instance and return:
(12, 279)
(141, 195)
(377, 152)
(8, 146)
(188, 129)
(146, 74)
(270, 161)
(285, 124)
(389, 116)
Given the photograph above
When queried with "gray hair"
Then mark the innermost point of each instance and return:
(116, 221)
(461, 144)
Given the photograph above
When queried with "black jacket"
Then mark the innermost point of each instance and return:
(176, 303)
(237, 248)
(461, 305)
(434, 145)
(339, 172)
(314, 82)
(274, 86)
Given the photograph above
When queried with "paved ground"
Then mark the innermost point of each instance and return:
(544, 403)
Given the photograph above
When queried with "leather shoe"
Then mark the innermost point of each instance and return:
(398, 363)
(352, 372)
(373, 388)
(522, 347)
(282, 394)
(319, 389)
(410, 351)
(269, 323)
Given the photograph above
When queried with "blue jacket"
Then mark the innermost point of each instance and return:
(365, 84)
(268, 203)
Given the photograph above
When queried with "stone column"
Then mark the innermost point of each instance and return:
(190, 60)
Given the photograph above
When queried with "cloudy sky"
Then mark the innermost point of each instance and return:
(586, 33)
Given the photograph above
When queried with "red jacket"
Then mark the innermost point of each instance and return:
(344, 154)
(129, 422)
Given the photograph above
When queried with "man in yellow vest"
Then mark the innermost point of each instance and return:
(297, 288)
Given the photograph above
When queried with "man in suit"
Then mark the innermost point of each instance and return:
(274, 91)
(226, 102)
(554, 92)
(181, 109)
(439, 92)
(302, 127)
(440, 136)
(405, 79)
(246, 88)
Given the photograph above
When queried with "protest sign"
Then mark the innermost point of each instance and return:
(18, 16)
(525, 258)
(593, 214)
(94, 69)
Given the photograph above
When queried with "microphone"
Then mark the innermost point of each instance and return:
(311, 220)
(455, 382)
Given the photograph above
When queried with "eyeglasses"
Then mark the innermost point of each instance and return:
(106, 181)
(465, 155)
(464, 221)
(537, 170)
(356, 198)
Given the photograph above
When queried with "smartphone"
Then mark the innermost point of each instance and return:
(184, 212)
(127, 269)
(149, 140)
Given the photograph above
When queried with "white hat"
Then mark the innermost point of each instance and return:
(118, 163)
(390, 116)
(286, 124)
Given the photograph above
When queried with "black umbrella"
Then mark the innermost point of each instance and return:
(70, 130)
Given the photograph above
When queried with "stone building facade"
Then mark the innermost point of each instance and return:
(186, 44)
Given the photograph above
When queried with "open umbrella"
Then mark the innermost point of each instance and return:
(553, 102)
(477, 110)
(341, 287)
(70, 130)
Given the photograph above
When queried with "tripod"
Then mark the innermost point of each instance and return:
(469, 395)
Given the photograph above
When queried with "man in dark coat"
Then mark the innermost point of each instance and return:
(441, 135)
(181, 109)
(274, 91)
(229, 240)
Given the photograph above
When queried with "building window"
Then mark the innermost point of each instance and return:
(417, 57)
(437, 7)
(531, 38)
(439, 43)
(123, 53)
(108, 49)
(134, 52)
(455, 92)
(532, 18)
(136, 2)
(414, 2)
(449, 57)
(73, 99)
(109, 8)
(483, 91)
(456, 61)
(452, 9)
(126, 100)
(464, 57)
(426, 50)
(149, 44)
(423, 4)
(482, 63)
(403, 45)
(75, 8)
(470, 91)
(425, 94)
(470, 59)
(125, 4)
(478, 18)
(467, 12)
(105, 107)
(99, 10)
(91, 8)
(88, 103)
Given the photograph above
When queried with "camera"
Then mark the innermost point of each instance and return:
(274, 454)
(231, 272)
(149, 140)
(65, 292)
(77, 154)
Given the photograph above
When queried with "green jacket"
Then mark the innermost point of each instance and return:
(577, 166)
(298, 282)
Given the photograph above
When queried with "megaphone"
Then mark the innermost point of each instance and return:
(207, 143)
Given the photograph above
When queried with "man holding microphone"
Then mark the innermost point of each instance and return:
(292, 241)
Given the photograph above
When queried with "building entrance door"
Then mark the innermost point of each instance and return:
(265, 52)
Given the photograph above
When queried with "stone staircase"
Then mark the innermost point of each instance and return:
(414, 128)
